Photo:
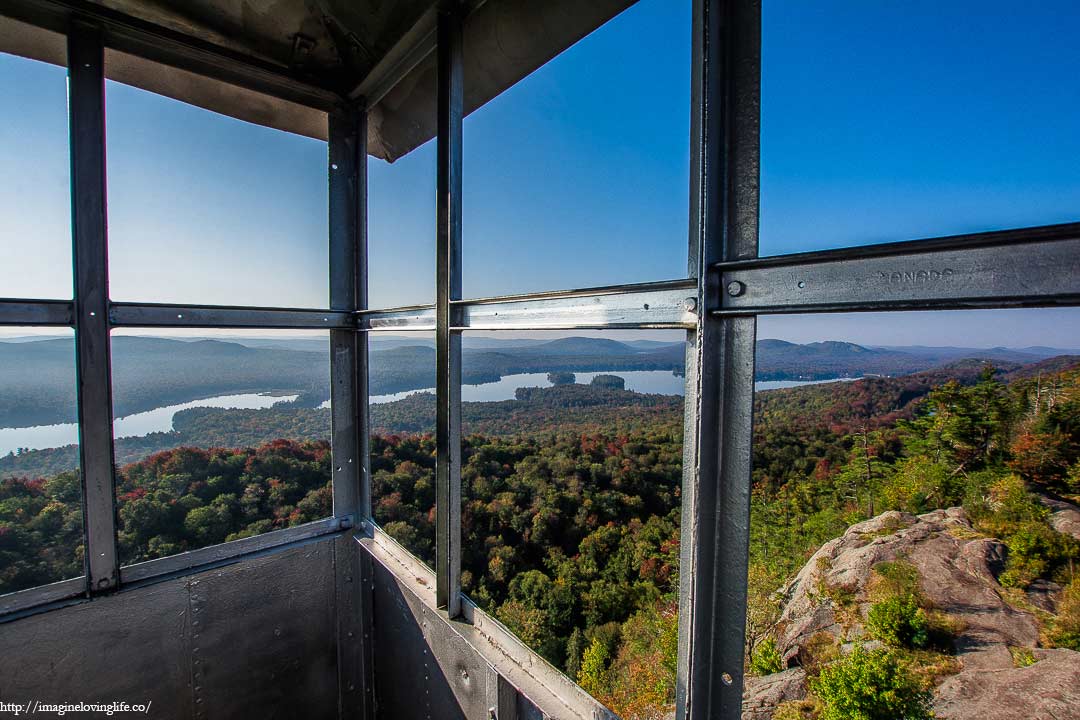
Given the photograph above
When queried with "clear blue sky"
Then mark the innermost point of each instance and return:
(880, 121)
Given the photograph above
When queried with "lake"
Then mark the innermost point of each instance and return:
(144, 423)
(660, 382)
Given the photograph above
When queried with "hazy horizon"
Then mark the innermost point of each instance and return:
(578, 175)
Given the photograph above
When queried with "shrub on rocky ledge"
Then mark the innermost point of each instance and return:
(871, 685)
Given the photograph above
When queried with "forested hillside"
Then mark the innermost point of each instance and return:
(571, 512)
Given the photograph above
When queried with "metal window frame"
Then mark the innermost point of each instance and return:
(449, 109)
(729, 287)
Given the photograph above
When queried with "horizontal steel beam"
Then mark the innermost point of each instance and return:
(137, 315)
(1030, 267)
(197, 559)
(36, 312)
(650, 305)
(421, 318)
(653, 305)
(13, 604)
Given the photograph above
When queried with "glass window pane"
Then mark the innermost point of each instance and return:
(401, 229)
(219, 436)
(577, 176)
(914, 476)
(41, 537)
(401, 385)
(894, 121)
(206, 209)
(572, 468)
(35, 191)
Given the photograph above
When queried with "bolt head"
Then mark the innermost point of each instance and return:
(735, 288)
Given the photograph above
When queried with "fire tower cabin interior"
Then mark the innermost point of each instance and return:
(323, 610)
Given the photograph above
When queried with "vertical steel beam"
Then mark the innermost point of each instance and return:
(347, 250)
(720, 362)
(447, 341)
(86, 107)
(349, 408)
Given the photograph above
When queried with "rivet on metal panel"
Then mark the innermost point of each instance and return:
(690, 304)
(726, 678)
(735, 288)
(646, 306)
(465, 675)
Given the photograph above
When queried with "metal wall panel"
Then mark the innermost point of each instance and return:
(264, 637)
(256, 638)
(132, 646)
(415, 675)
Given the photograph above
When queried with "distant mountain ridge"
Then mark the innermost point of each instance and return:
(37, 384)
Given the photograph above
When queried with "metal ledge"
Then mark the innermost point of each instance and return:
(12, 604)
(416, 317)
(194, 560)
(36, 312)
(555, 694)
(154, 315)
(1028, 267)
(45, 597)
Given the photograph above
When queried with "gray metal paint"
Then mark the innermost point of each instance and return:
(663, 305)
(254, 639)
(14, 603)
(402, 645)
(201, 557)
(285, 653)
(925, 275)
(36, 312)
(155, 315)
(448, 289)
(347, 163)
(86, 108)
(542, 690)
(720, 363)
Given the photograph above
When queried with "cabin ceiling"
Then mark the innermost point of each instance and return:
(342, 50)
(332, 42)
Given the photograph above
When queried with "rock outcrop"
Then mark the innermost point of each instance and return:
(1047, 690)
(1064, 516)
(958, 571)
